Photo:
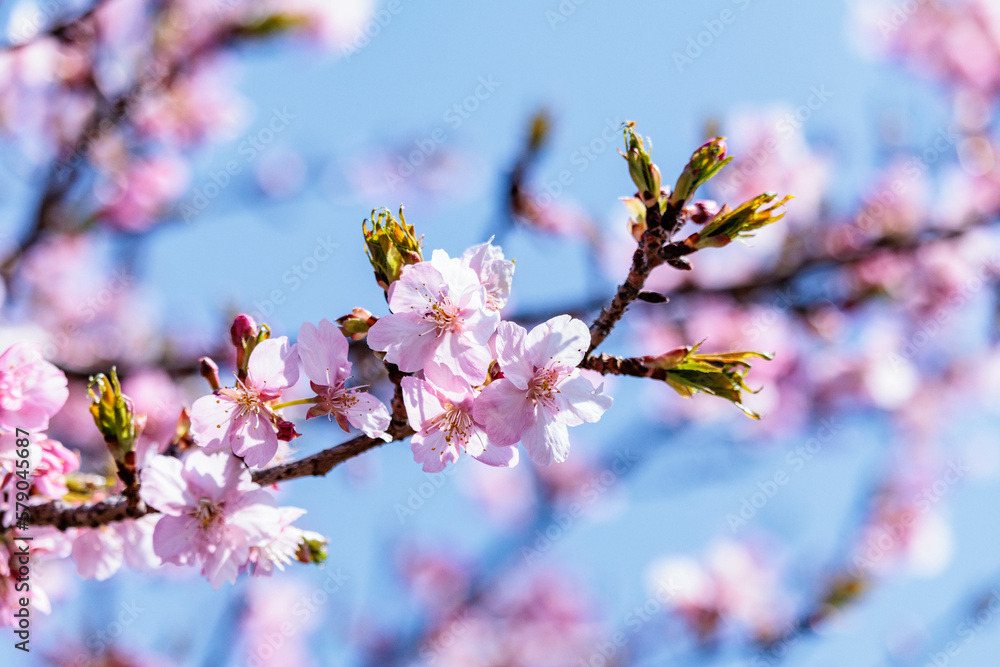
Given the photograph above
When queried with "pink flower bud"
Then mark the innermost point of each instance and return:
(286, 431)
(243, 330)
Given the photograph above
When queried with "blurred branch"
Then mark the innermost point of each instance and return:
(66, 167)
(62, 30)
(781, 277)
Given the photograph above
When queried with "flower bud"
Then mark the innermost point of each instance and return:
(667, 360)
(244, 328)
(210, 371)
(702, 211)
(689, 372)
(312, 548)
(644, 173)
(637, 217)
(705, 163)
(246, 335)
(355, 324)
(286, 431)
(728, 225)
(390, 246)
(114, 415)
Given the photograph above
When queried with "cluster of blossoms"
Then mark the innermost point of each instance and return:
(733, 585)
(481, 385)
(474, 383)
(31, 391)
(208, 508)
(244, 420)
(471, 382)
(466, 380)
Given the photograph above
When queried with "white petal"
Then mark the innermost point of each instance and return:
(562, 340)
(580, 402)
(546, 441)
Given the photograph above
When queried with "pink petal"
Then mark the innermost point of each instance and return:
(503, 410)
(163, 487)
(452, 386)
(418, 287)
(562, 340)
(211, 419)
(138, 537)
(323, 351)
(480, 323)
(546, 441)
(41, 385)
(477, 442)
(369, 415)
(98, 553)
(176, 538)
(408, 340)
(254, 439)
(470, 361)
(224, 563)
(499, 457)
(257, 515)
(422, 403)
(273, 367)
(433, 451)
(511, 354)
(215, 476)
(459, 278)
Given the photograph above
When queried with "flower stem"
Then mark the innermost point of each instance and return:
(301, 401)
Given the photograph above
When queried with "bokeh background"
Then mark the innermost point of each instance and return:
(883, 379)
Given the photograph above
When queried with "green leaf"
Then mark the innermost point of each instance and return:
(719, 374)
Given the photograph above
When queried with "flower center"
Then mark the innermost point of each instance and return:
(455, 423)
(246, 400)
(338, 399)
(542, 388)
(444, 314)
(207, 512)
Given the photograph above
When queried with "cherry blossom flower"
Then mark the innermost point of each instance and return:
(323, 351)
(141, 189)
(494, 271)
(54, 462)
(46, 544)
(284, 548)
(100, 552)
(213, 512)
(440, 314)
(239, 418)
(541, 391)
(736, 583)
(48, 462)
(440, 410)
(31, 389)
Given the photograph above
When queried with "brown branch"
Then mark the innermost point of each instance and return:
(66, 167)
(649, 255)
(632, 367)
(62, 515)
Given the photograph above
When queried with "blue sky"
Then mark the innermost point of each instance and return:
(604, 61)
